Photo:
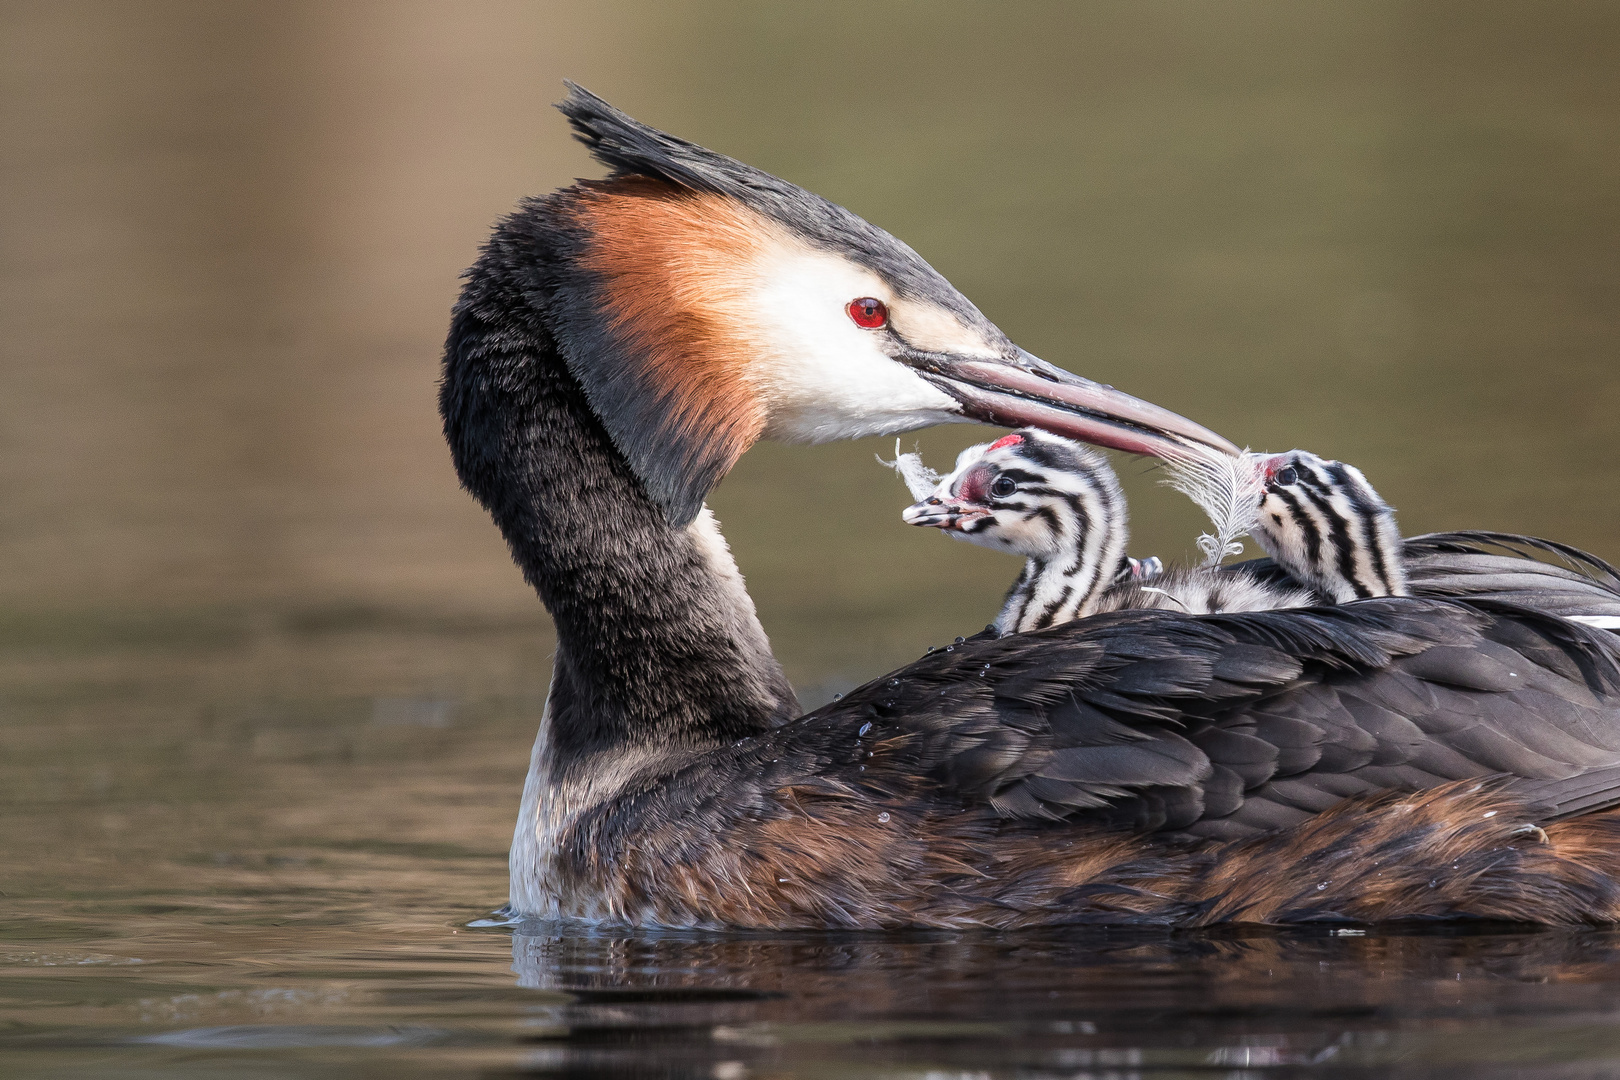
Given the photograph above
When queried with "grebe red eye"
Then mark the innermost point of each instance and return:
(869, 313)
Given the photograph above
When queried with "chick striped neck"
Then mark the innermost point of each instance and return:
(1074, 520)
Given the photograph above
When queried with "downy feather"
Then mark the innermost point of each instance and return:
(920, 479)
(1226, 488)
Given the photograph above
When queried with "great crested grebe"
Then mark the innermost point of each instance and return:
(619, 343)
(1059, 505)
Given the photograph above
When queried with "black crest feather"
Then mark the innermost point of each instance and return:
(631, 148)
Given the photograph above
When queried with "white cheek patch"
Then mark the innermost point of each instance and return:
(1029, 536)
(1001, 536)
(821, 376)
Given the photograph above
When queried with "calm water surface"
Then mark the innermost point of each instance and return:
(268, 679)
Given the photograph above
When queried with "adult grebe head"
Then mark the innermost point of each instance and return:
(704, 304)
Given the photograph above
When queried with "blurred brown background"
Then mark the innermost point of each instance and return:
(1384, 231)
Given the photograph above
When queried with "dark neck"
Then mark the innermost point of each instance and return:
(658, 643)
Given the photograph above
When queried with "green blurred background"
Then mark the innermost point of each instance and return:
(243, 602)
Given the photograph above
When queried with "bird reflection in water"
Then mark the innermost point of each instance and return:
(1093, 1001)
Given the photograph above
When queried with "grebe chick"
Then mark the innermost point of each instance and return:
(1326, 526)
(1323, 523)
(1059, 505)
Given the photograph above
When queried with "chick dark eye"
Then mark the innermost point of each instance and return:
(1285, 477)
(869, 313)
(1003, 487)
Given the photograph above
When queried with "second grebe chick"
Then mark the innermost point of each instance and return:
(1059, 505)
(1323, 523)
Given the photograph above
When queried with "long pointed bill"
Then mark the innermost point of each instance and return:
(934, 513)
(1034, 393)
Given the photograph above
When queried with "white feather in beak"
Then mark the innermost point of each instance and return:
(920, 480)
